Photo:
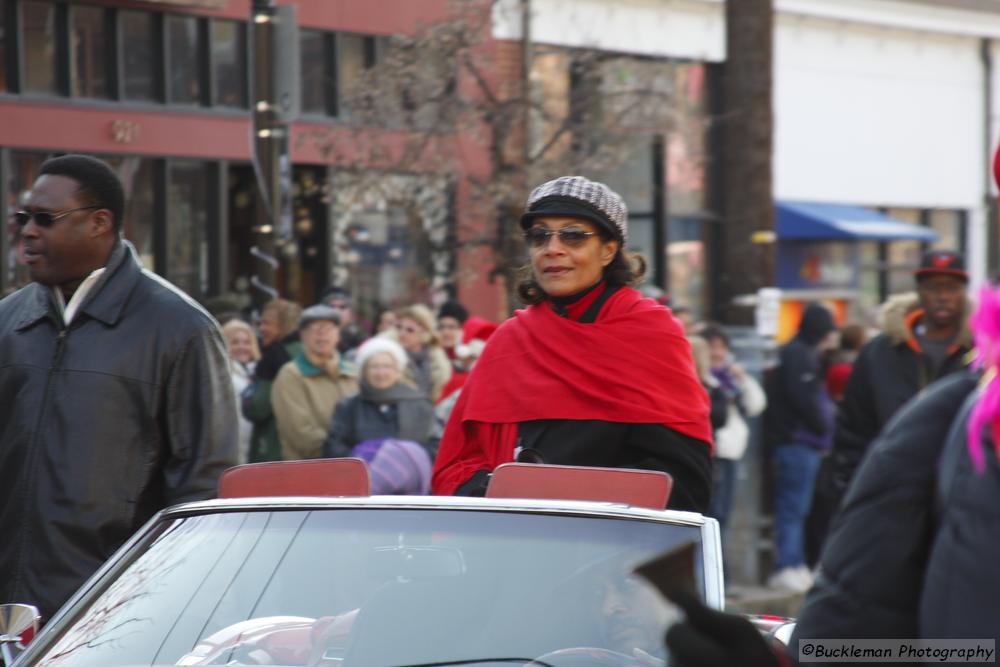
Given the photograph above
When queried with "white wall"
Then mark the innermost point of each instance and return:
(873, 115)
(692, 29)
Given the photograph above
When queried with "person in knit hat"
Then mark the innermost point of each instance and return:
(388, 424)
(591, 372)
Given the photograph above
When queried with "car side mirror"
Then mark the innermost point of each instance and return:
(18, 625)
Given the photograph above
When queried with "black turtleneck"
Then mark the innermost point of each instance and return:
(585, 305)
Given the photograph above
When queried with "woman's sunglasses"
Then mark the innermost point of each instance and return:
(538, 237)
(45, 218)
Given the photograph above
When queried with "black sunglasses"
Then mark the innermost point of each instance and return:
(538, 237)
(46, 218)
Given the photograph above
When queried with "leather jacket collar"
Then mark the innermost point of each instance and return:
(107, 297)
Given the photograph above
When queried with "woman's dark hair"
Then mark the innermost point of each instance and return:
(853, 337)
(714, 332)
(626, 268)
(99, 184)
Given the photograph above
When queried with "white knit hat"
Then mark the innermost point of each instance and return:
(380, 344)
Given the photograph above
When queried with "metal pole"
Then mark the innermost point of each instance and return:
(269, 144)
(661, 258)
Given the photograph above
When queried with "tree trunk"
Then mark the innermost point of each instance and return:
(747, 187)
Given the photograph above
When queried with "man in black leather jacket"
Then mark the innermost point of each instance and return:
(115, 396)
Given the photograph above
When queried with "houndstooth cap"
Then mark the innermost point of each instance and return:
(604, 205)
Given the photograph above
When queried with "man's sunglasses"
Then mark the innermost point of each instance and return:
(46, 218)
(538, 237)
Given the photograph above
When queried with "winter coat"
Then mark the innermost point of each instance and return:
(873, 570)
(303, 399)
(889, 370)
(255, 401)
(960, 587)
(799, 410)
(732, 437)
(103, 423)
(242, 377)
(361, 417)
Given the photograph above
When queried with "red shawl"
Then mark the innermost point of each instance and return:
(632, 365)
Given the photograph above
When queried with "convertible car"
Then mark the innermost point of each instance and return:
(298, 566)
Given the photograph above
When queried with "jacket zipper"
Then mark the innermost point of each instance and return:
(32, 457)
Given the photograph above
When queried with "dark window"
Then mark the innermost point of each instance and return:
(39, 20)
(182, 45)
(229, 68)
(4, 45)
(137, 178)
(187, 226)
(139, 55)
(88, 46)
(352, 60)
(316, 80)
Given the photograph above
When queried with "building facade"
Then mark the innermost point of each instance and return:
(887, 105)
(162, 91)
(883, 105)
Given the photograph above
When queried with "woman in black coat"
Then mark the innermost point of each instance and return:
(388, 424)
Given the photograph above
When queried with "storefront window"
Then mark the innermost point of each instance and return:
(229, 67)
(869, 284)
(88, 40)
(632, 177)
(138, 30)
(315, 78)
(136, 175)
(686, 189)
(182, 42)
(686, 261)
(902, 257)
(187, 227)
(137, 178)
(23, 171)
(686, 144)
(39, 47)
(950, 229)
(390, 256)
(389, 242)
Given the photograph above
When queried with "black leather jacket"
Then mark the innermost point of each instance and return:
(103, 423)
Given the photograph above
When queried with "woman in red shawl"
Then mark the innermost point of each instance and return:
(591, 373)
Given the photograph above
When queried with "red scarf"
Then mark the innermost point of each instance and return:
(632, 365)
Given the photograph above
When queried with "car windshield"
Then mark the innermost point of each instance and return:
(371, 587)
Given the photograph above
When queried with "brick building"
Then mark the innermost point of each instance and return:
(161, 90)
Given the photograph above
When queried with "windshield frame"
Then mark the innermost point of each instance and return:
(69, 614)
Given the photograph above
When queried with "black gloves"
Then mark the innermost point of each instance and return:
(475, 485)
(709, 638)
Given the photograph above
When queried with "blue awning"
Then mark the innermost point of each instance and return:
(809, 221)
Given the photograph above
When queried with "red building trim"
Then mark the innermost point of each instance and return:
(68, 127)
(382, 17)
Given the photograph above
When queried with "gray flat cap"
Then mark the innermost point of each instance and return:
(578, 196)
(319, 313)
